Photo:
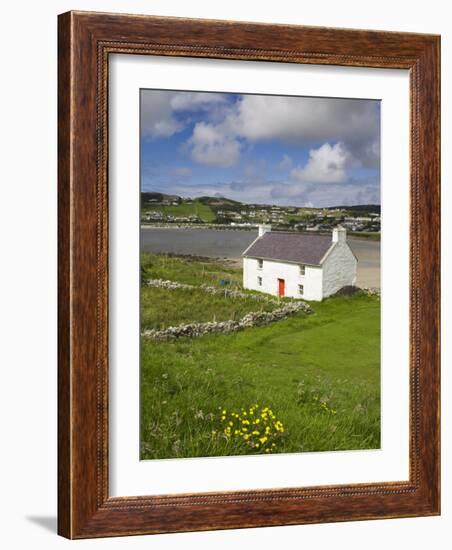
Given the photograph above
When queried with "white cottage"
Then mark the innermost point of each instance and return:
(299, 265)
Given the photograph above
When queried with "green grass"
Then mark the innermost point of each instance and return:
(189, 270)
(196, 208)
(319, 373)
(163, 308)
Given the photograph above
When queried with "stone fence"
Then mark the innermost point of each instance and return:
(228, 292)
(372, 291)
(350, 290)
(252, 319)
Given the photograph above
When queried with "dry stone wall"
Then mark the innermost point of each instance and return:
(230, 293)
(252, 319)
(372, 291)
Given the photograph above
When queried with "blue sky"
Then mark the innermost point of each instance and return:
(263, 149)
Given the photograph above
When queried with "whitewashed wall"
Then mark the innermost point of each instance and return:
(272, 271)
(339, 269)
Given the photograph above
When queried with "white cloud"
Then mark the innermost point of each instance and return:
(298, 120)
(209, 145)
(306, 119)
(157, 118)
(159, 110)
(286, 163)
(189, 101)
(183, 171)
(335, 194)
(227, 127)
(327, 164)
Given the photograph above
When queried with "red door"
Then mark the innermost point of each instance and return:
(281, 287)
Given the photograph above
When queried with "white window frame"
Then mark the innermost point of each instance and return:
(301, 290)
(259, 281)
(302, 270)
(260, 264)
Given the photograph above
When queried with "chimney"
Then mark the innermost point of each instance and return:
(263, 228)
(339, 234)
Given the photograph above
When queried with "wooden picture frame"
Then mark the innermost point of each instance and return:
(85, 42)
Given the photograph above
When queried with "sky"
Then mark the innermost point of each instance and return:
(264, 149)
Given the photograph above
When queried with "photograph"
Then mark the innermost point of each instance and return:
(260, 224)
(227, 330)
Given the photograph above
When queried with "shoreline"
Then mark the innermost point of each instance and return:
(206, 227)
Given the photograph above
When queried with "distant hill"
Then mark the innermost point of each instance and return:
(219, 201)
(147, 196)
(358, 207)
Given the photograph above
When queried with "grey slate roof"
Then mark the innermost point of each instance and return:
(290, 247)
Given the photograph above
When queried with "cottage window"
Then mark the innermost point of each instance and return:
(260, 264)
(259, 281)
(300, 290)
(302, 270)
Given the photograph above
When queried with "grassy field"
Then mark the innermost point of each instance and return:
(189, 270)
(160, 310)
(195, 208)
(308, 383)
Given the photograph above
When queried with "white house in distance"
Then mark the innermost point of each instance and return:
(299, 265)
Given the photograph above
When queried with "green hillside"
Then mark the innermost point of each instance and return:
(183, 209)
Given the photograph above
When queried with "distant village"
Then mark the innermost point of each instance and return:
(162, 209)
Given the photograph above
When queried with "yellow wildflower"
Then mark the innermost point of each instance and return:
(244, 425)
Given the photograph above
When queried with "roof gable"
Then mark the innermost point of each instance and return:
(290, 247)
